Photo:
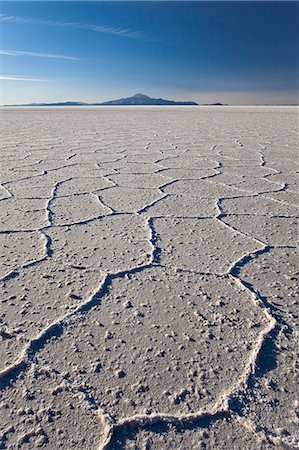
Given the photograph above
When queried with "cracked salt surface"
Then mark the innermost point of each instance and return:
(181, 340)
(272, 398)
(107, 244)
(125, 199)
(149, 278)
(221, 433)
(199, 244)
(29, 307)
(270, 230)
(66, 210)
(23, 214)
(18, 249)
(204, 189)
(182, 206)
(82, 186)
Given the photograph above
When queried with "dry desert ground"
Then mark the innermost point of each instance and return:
(149, 278)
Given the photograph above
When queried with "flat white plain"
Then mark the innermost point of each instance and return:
(149, 278)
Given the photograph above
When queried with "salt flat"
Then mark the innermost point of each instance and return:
(149, 278)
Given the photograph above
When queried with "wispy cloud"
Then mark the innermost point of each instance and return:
(37, 54)
(125, 32)
(20, 78)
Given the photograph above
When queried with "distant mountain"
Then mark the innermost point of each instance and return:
(53, 104)
(141, 99)
(215, 104)
(64, 104)
(138, 99)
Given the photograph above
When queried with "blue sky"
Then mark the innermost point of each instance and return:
(235, 52)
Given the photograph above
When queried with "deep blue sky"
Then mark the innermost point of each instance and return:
(235, 52)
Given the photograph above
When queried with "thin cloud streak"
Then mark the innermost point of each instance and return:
(125, 32)
(20, 78)
(37, 54)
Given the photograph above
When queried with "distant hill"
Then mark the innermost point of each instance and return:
(54, 104)
(138, 99)
(215, 104)
(141, 99)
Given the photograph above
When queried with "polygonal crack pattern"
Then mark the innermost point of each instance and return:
(149, 279)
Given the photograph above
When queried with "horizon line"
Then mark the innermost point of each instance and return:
(84, 105)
